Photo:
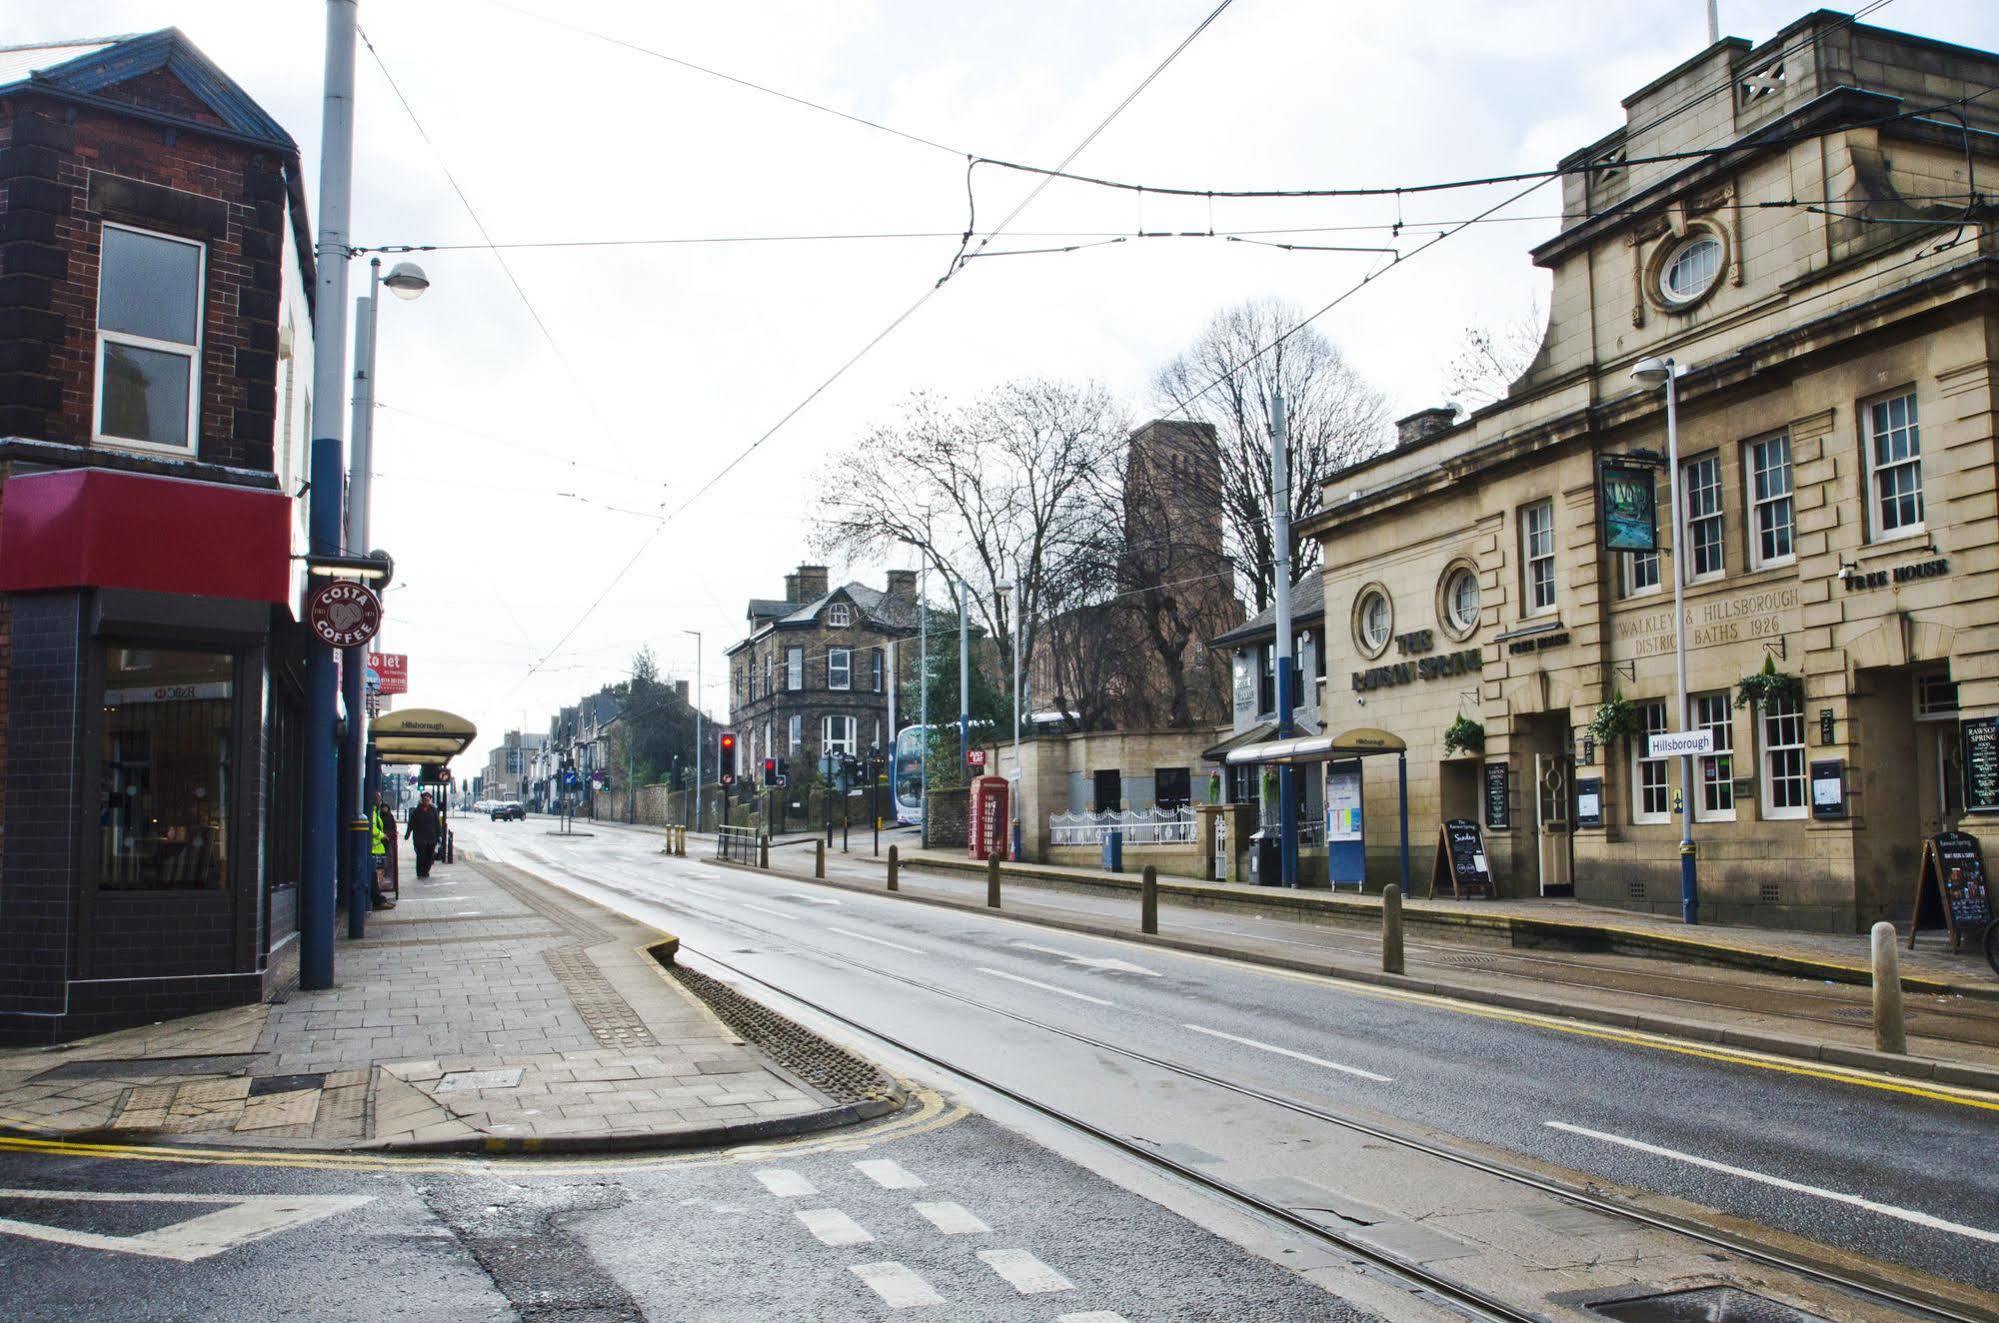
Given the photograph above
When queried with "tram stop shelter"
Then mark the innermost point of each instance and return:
(427, 738)
(1345, 840)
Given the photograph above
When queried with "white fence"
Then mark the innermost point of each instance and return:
(1140, 827)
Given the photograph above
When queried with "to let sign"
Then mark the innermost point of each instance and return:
(394, 670)
(343, 614)
(1679, 743)
(975, 757)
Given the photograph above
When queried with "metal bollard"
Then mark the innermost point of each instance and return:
(894, 868)
(1889, 1033)
(1391, 928)
(763, 850)
(818, 858)
(992, 881)
(1148, 900)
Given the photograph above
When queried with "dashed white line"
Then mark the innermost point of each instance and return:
(898, 1287)
(833, 1227)
(1296, 1056)
(889, 1174)
(1092, 1316)
(1091, 962)
(810, 900)
(863, 937)
(1858, 1201)
(758, 909)
(1045, 987)
(952, 1219)
(784, 1184)
(1025, 1273)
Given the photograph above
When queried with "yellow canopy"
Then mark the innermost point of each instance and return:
(423, 735)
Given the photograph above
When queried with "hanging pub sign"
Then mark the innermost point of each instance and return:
(1953, 872)
(1981, 765)
(1461, 860)
(1627, 497)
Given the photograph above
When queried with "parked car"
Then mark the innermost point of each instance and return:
(510, 810)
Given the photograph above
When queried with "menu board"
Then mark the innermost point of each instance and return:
(1589, 801)
(1954, 872)
(1461, 859)
(1981, 765)
(1828, 788)
(1498, 798)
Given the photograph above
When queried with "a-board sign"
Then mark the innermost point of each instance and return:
(1828, 789)
(1498, 798)
(1981, 765)
(1462, 861)
(1954, 865)
(1589, 801)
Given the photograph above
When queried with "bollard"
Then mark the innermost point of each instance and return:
(1148, 900)
(1889, 1034)
(992, 881)
(818, 858)
(894, 868)
(1391, 928)
(763, 850)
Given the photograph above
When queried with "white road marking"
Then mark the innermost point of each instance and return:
(1091, 962)
(810, 900)
(898, 1287)
(1295, 1056)
(889, 1174)
(1093, 1316)
(1025, 1273)
(952, 1219)
(784, 1184)
(863, 937)
(244, 1218)
(1045, 987)
(833, 1227)
(1857, 1201)
(775, 914)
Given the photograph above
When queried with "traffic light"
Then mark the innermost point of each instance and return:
(784, 771)
(725, 758)
(770, 771)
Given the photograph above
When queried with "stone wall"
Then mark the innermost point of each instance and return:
(948, 813)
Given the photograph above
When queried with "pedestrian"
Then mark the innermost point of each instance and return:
(391, 855)
(379, 831)
(424, 829)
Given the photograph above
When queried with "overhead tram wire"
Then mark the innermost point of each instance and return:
(859, 354)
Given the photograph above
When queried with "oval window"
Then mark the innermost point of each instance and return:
(1461, 601)
(1691, 268)
(1373, 621)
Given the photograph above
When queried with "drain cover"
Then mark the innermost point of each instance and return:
(1709, 1304)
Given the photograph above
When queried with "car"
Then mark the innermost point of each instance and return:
(510, 810)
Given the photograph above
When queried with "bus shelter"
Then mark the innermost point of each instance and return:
(1349, 746)
(426, 738)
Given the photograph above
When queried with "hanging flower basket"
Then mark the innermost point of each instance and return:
(1620, 718)
(1464, 736)
(1770, 688)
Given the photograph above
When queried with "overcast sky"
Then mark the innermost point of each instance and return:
(516, 477)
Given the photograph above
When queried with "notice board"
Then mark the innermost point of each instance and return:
(1498, 798)
(1981, 765)
(1462, 861)
(1952, 886)
(1346, 834)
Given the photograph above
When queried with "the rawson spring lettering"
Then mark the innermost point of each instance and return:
(1425, 668)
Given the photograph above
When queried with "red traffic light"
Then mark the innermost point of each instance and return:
(725, 762)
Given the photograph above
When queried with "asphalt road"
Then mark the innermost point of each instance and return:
(1878, 1171)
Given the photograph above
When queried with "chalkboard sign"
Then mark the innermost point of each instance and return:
(1498, 798)
(1981, 765)
(1462, 861)
(1589, 801)
(1955, 866)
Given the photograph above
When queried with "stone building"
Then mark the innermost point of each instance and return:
(1795, 225)
(814, 672)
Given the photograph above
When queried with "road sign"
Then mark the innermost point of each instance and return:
(394, 668)
(1679, 743)
(343, 613)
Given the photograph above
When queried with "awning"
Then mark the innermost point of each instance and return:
(422, 735)
(1248, 735)
(1357, 743)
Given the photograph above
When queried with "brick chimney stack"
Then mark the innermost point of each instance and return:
(811, 583)
(680, 690)
(791, 588)
(902, 585)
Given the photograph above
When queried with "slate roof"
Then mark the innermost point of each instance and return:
(87, 67)
(1308, 602)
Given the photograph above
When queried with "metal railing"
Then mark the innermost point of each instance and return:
(1140, 827)
(736, 844)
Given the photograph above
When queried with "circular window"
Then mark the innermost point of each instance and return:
(1461, 601)
(1691, 268)
(1373, 620)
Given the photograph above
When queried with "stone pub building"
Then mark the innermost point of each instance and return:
(155, 345)
(1818, 257)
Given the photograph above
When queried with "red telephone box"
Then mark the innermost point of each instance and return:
(991, 825)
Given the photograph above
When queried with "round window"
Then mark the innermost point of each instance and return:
(1691, 268)
(1372, 621)
(1461, 601)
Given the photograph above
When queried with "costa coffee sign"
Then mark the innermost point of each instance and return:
(343, 614)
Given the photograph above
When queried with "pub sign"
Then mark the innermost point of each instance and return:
(1627, 496)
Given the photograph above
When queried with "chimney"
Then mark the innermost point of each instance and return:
(811, 583)
(902, 585)
(1420, 426)
(791, 588)
(680, 691)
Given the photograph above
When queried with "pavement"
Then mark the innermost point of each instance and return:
(488, 1011)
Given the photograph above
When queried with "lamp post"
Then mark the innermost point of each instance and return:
(697, 727)
(1652, 373)
(1012, 590)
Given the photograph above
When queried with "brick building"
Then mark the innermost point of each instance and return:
(155, 346)
(814, 672)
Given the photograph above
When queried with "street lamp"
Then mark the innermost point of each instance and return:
(697, 727)
(1653, 373)
(1012, 590)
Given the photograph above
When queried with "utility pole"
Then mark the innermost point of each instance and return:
(1280, 537)
(354, 806)
(964, 673)
(320, 835)
(923, 697)
(697, 726)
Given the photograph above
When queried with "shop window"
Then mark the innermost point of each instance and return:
(1783, 759)
(167, 769)
(1651, 793)
(1700, 481)
(1172, 787)
(839, 668)
(1771, 514)
(148, 338)
(1537, 546)
(1714, 773)
(1895, 466)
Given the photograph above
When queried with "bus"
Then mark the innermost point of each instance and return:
(906, 778)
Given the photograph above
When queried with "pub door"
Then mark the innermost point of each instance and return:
(1555, 822)
(1939, 753)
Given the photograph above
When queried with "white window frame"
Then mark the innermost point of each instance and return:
(1871, 413)
(190, 352)
(1756, 504)
(877, 670)
(770, 673)
(1530, 560)
(839, 615)
(844, 670)
(1627, 573)
(846, 743)
(1712, 517)
(1724, 728)
(1699, 239)
(794, 670)
(1783, 761)
(1652, 714)
(1453, 625)
(795, 733)
(1369, 644)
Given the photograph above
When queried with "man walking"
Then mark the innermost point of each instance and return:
(423, 832)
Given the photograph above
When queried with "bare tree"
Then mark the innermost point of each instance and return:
(1228, 377)
(1491, 358)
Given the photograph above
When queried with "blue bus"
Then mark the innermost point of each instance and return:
(906, 778)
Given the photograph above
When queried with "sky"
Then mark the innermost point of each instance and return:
(552, 426)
